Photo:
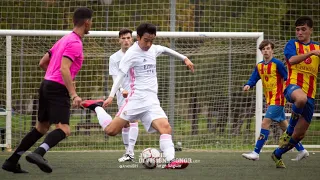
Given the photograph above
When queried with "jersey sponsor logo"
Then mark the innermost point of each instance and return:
(308, 60)
(149, 66)
(270, 85)
(305, 68)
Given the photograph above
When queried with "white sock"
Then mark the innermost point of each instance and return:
(125, 137)
(45, 146)
(103, 117)
(133, 135)
(167, 146)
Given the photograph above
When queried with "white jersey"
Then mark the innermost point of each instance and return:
(114, 62)
(142, 69)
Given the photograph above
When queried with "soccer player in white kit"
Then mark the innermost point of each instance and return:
(142, 102)
(130, 132)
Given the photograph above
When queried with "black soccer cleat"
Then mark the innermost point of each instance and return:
(38, 160)
(92, 104)
(13, 167)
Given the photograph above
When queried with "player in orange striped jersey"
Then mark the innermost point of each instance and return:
(302, 58)
(272, 73)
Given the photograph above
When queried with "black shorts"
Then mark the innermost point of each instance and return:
(54, 103)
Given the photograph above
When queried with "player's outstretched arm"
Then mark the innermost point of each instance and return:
(115, 88)
(44, 62)
(253, 80)
(174, 53)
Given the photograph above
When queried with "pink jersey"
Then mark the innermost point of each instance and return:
(69, 46)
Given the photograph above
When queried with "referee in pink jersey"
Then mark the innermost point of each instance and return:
(61, 64)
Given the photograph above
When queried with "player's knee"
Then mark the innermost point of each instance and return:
(127, 125)
(43, 128)
(265, 124)
(111, 131)
(301, 101)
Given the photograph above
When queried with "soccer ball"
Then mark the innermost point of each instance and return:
(150, 158)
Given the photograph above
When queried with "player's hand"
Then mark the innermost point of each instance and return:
(76, 102)
(125, 93)
(189, 64)
(246, 88)
(316, 52)
(107, 102)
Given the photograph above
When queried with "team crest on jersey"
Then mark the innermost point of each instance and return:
(308, 60)
(266, 78)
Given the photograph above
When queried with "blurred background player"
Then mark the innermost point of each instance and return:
(130, 132)
(62, 63)
(302, 58)
(272, 73)
(143, 102)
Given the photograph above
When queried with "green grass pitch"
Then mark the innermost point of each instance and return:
(207, 165)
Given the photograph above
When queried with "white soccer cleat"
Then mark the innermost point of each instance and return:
(126, 157)
(251, 156)
(301, 155)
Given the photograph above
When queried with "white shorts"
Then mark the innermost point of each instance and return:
(146, 116)
(121, 102)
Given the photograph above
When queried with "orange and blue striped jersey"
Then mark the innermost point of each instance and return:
(272, 74)
(305, 73)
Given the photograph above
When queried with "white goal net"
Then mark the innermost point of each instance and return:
(207, 109)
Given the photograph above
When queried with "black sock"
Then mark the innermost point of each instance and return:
(51, 140)
(32, 137)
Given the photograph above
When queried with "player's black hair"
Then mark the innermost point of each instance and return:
(304, 20)
(265, 43)
(124, 31)
(80, 15)
(146, 28)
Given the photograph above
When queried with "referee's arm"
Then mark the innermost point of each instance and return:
(44, 62)
(66, 76)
